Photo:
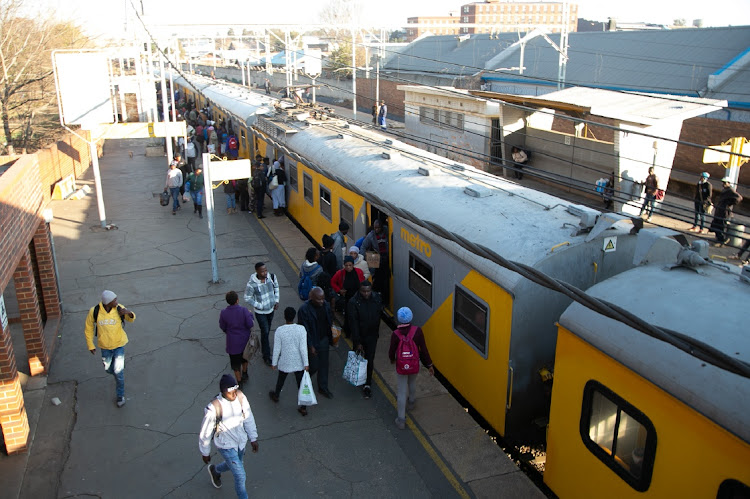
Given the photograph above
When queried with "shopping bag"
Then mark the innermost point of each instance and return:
(335, 335)
(164, 198)
(186, 198)
(355, 370)
(252, 347)
(373, 259)
(306, 395)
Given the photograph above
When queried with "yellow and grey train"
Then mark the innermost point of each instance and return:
(492, 333)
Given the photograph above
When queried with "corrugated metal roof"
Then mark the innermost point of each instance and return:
(669, 61)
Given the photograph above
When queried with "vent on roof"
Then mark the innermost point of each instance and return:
(423, 171)
(341, 136)
(585, 214)
(385, 155)
(388, 142)
(477, 191)
(459, 168)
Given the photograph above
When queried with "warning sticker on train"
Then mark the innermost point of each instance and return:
(610, 244)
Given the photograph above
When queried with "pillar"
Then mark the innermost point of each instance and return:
(47, 276)
(31, 317)
(13, 420)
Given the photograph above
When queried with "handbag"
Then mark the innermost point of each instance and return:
(306, 395)
(373, 259)
(355, 370)
(274, 183)
(164, 198)
(659, 194)
(708, 207)
(335, 335)
(252, 347)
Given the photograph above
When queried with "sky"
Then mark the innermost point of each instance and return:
(106, 16)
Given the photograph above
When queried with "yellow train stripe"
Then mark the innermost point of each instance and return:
(421, 438)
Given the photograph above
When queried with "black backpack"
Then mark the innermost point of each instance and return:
(96, 317)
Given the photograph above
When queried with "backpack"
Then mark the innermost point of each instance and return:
(232, 142)
(220, 412)
(305, 283)
(407, 353)
(258, 181)
(96, 317)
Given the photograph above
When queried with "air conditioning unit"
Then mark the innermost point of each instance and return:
(586, 215)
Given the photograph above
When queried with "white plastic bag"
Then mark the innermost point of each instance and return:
(306, 395)
(355, 370)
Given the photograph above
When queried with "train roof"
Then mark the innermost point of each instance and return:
(709, 305)
(519, 223)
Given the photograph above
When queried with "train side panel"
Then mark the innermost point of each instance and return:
(427, 279)
(693, 456)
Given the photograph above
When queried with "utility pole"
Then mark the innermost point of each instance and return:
(165, 109)
(563, 58)
(354, 73)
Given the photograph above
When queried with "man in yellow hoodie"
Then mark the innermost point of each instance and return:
(105, 321)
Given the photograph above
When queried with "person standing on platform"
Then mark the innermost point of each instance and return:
(360, 262)
(363, 314)
(259, 185)
(289, 354)
(105, 321)
(327, 259)
(317, 318)
(723, 214)
(702, 201)
(262, 293)
(229, 422)
(377, 240)
(339, 244)
(236, 322)
(407, 383)
(197, 190)
(278, 195)
(652, 185)
(173, 184)
(382, 113)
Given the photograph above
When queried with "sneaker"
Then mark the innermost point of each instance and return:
(273, 396)
(648, 219)
(244, 376)
(367, 392)
(400, 424)
(410, 405)
(120, 401)
(215, 477)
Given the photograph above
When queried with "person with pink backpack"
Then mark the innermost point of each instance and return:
(407, 349)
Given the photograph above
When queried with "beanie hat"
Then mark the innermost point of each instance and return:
(227, 383)
(348, 259)
(354, 249)
(108, 296)
(705, 175)
(404, 315)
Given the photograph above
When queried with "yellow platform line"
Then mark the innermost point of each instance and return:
(420, 436)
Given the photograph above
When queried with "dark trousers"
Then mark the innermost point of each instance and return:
(244, 200)
(264, 323)
(321, 352)
(745, 248)
(259, 199)
(282, 378)
(369, 345)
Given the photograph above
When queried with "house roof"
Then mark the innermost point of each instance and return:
(662, 61)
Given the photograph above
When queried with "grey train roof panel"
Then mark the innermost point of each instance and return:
(672, 299)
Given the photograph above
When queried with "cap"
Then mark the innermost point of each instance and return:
(404, 315)
(228, 383)
(727, 179)
(705, 175)
(108, 296)
(354, 249)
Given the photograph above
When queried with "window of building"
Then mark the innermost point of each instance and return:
(293, 175)
(325, 202)
(620, 435)
(466, 19)
(346, 213)
(420, 278)
(733, 489)
(466, 9)
(307, 181)
(470, 319)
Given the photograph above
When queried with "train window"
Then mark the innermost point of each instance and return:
(620, 435)
(420, 278)
(733, 489)
(293, 175)
(346, 214)
(470, 319)
(325, 202)
(307, 181)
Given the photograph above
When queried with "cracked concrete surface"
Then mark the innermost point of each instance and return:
(158, 265)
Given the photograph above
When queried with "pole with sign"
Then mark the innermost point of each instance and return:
(210, 215)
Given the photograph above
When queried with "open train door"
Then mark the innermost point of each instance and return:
(382, 278)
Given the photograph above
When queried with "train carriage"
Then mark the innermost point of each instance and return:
(636, 417)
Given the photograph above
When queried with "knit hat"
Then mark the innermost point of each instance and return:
(705, 175)
(228, 383)
(404, 315)
(354, 249)
(348, 259)
(108, 296)
(726, 180)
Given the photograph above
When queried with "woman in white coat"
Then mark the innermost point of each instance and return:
(359, 262)
(289, 354)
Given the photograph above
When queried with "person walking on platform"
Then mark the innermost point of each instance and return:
(652, 185)
(339, 244)
(105, 321)
(236, 322)
(289, 354)
(229, 422)
(173, 184)
(723, 214)
(197, 190)
(262, 293)
(382, 113)
(259, 184)
(377, 240)
(407, 349)
(317, 318)
(363, 315)
(702, 201)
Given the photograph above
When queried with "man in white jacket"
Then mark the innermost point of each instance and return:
(229, 420)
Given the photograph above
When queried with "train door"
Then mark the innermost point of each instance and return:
(383, 277)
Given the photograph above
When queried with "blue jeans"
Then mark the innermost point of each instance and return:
(322, 352)
(233, 462)
(648, 204)
(175, 192)
(264, 323)
(231, 203)
(114, 364)
(700, 214)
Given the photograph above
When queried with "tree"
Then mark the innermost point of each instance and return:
(679, 22)
(26, 85)
(230, 32)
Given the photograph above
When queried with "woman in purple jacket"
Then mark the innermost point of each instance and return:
(236, 322)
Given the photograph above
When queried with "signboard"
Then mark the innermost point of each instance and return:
(230, 170)
(713, 156)
(3, 313)
(83, 87)
(610, 244)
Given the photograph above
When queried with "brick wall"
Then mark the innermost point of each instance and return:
(709, 132)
